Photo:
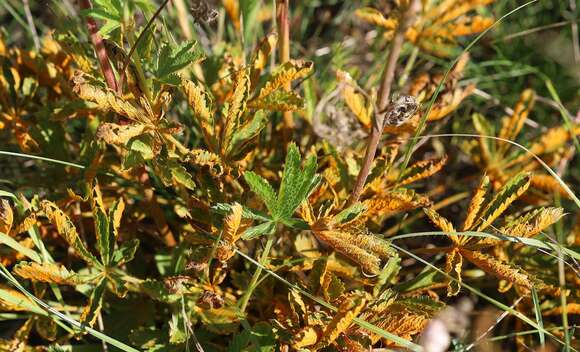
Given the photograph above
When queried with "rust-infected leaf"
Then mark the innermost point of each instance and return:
(509, 193)
(46, 272)
(347, 311)
(501, 270)
(67, 230)
(479, 197)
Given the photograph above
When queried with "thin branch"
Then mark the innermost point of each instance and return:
(384, 96)
(99, 45)
(141, 35)
(31, 25)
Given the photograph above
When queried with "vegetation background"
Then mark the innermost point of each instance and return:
(200, 175)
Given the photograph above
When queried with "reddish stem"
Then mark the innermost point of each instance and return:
(100, 50)
(384, 96)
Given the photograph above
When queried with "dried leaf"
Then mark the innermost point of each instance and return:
(6, 216)
(453, 266)
(511, 126)
(230, 233)
(304, 337)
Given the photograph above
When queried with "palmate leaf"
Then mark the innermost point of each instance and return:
(296, 183)
(47, 272)
(125, 253)
(508, 194)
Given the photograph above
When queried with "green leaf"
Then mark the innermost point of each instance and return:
(296, 183)
(262, 188)
(125, 253)
(180, 175)
(102, 229)
(173, 59)
(247, 213)
(259, 230)
(248, 131)
(91, 311)
(15, 245)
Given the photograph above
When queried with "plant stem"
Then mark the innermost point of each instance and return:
(383, 102)
(253, 282)
(100, 50)
(31, 25)
(134, 46)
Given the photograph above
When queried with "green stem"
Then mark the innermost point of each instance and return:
(253, 283)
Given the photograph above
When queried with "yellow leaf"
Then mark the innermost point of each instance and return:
(199, 101)
(439, 221)
(235, 107)
(230, 233)
(278, 100)
(46, 272)
(304, 337)
(6, 216)
(533, 222)
(511, 126)
(284, 75)
(480, 195)
(453, 266)
(376, 18)
(260, 60)
(213, 162)
(421, 170)
(508, 194)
